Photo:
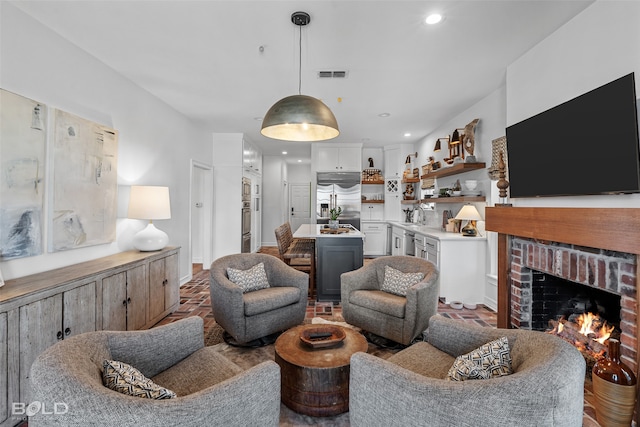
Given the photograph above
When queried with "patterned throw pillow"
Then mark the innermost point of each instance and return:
(249, 280)
(487, 361)
(126, 379)
(396, 282)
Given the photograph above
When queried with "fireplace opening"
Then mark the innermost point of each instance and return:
(555, 298)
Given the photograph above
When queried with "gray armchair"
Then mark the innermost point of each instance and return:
(409, 388)
(211, 390)
(253, 315)
(400, 319)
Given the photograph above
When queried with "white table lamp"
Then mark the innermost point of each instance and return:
(149, 202)
(469, 213)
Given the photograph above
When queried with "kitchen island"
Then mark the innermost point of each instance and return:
(335, 254)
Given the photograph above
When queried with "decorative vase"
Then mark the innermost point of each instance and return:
(614, 388)
(333, 224)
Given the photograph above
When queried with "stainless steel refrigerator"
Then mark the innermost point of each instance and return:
(338, 189)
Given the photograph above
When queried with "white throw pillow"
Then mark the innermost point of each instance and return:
(126, 379)
(396, 282)
(249, 280)
(490, 360)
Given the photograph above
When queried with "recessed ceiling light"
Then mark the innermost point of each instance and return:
(407, 134)
(284, 152)
(299, 161)
(434, 18)
(384, 114)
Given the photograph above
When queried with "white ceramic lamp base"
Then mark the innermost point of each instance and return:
(150, 239)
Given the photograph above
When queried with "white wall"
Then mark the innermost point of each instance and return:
(597, 46)
(155, 144)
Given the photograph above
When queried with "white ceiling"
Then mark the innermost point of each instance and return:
(204, 59)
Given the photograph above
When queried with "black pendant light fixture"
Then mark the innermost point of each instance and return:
(300, 117)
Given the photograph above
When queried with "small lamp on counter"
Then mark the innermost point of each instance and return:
(149, 203)
(470, 214)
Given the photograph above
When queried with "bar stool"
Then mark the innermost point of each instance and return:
(297, 253)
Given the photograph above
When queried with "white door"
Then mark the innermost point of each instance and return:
(300, 204)
(201, 208)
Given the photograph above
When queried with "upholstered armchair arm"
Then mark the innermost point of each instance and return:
(154, 350)
(422, 302)
(382, 393)
(226, 298)
(363, 278)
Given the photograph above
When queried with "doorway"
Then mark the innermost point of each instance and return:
(200, 211)
(299, 204)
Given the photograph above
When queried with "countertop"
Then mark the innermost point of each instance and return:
(433, 232)
(313, 231)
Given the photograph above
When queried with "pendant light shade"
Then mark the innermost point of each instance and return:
(300, 117)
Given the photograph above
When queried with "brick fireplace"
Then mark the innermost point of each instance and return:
(596, 247)
(610, 271)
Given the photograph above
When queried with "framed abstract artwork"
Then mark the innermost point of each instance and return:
(23, 136)
(84, 198)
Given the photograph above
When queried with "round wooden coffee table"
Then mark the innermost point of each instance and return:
(315, 381)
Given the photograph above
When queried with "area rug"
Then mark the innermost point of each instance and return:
(248, 357)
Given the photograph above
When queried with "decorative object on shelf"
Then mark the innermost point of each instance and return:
(498, 145)
(1, 279)
(149, 203)
(408, 193)
(334, 213)
(469, 140)
(502, 184)
(470, 214)
(300, 117)
(614, 388)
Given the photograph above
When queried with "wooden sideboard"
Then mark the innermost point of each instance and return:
(125, 291)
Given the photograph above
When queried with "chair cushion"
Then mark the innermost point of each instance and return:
(397, 282)
(249, 280)
(126, 379)
(270, 299)
(424, 359)
(379, 301)
(202, 369)
(490, 360)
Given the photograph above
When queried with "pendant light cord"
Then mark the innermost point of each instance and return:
(300, 63)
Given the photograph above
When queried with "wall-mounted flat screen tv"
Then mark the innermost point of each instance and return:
(588, 145)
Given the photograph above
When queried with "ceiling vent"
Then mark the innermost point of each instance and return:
(332, 74)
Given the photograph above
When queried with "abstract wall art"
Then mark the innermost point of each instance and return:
(23, 136)
(84, 200)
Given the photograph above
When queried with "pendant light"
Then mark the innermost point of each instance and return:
(300, 117)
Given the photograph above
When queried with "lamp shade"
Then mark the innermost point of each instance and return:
(149, 202)
(469, 212)
(300, 118)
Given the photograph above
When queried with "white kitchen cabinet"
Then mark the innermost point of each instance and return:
(251, 158)
(392, 199)
(397, 241)
(338, 159)
(375, 240)
(371, 212)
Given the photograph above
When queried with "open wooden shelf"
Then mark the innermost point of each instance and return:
(454, 170)
(373, 182)
(455, 199)
(372, 201)
(410, 180)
